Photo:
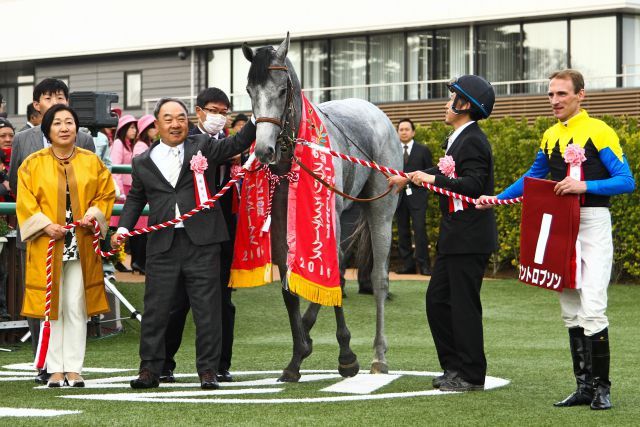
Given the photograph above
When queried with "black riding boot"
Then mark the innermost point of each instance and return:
(581, 355)
(601, 358)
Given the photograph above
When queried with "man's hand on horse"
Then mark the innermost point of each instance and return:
(570, 186)
(117, 240)
(481, 206)
(399, 181)
(419, 177)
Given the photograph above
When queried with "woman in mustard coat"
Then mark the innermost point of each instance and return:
(58, 185)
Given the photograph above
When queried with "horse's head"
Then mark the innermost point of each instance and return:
(270, 85)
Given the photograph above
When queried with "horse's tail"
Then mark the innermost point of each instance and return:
(361, 239)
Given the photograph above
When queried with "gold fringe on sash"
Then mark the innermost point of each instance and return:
(314, 292)
(251, 278)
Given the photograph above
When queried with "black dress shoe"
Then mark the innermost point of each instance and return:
(121, 268)
(459, 384)
(425, 271)
(42, 377)
(208, 380)
(146, 379)
(582, 396)
(224, 376)
(448, 375)
(406, 270)
(136, 268)
(167, 377)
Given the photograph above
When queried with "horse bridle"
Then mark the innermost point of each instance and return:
(284, 123)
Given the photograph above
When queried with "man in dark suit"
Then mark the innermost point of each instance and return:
(46, 94)
(212, 106)
(412, 205)
(33, 117)
(467, 238)
(186, 256)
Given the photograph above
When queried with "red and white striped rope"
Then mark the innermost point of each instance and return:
(374, 165)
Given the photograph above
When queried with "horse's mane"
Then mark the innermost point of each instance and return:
(259, 72)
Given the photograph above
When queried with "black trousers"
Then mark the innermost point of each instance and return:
(138, 245)
(454, 312)
(194, 270)
(409, 218)
(180, 309)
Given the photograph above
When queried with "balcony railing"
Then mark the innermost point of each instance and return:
(427, 89)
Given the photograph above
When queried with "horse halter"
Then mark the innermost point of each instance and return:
(284, 121)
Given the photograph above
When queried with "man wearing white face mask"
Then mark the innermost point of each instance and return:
(212, 106)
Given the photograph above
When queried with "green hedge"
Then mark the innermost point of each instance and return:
(515, 144)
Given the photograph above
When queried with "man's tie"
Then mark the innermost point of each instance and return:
(175, 165)
(405, 156)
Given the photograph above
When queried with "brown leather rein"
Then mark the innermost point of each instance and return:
(281, 125)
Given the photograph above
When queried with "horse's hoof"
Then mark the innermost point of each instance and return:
(349, 369)
(379, 368)
(289, 377)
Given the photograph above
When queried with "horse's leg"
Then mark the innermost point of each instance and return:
(379, 218)
(279, 247)
(348, 365)
(301, 345)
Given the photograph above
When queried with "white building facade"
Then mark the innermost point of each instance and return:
(388, 53)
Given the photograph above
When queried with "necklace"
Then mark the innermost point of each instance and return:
(63, 158)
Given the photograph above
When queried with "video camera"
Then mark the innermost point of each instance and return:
(94, 109)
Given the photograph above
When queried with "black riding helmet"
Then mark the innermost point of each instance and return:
(477, 91)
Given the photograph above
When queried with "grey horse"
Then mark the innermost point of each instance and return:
(355, 127)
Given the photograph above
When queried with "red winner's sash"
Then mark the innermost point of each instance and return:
(549, 253)
(313, 271)
(252, 249)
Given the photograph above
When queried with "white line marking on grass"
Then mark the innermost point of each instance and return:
(361, 384)
(171, 396)
(29, 367)
(361, 387)
(17, 374)
(29, 412)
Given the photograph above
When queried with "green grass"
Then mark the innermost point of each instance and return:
(524, 339)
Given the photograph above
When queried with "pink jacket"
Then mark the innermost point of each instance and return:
(139, 148)
(121, 156)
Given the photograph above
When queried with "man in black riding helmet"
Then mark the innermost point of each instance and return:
(467, 238)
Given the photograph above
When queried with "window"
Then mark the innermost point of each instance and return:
(315, 69)
(219, 71)
(386, 65)
(451, 58)
(133, 89)
(420, 47)
(544, 51)
(631, 50)
(593, 50)
(25, 93)
(349, 67)
(241, 100)
(499, 55)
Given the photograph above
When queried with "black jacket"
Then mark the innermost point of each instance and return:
(469, 231)
(419, 159)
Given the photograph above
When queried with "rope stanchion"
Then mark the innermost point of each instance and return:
(374, 165)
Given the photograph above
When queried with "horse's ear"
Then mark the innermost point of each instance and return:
(247, 51)
(281, 53)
